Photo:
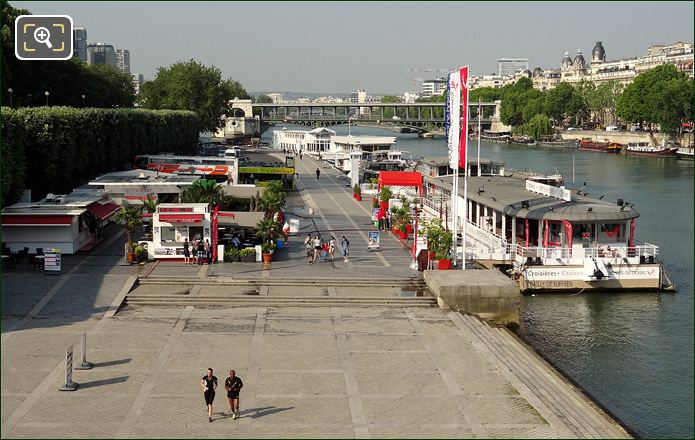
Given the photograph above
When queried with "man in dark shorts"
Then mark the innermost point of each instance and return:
(209, 383)
(233, 385)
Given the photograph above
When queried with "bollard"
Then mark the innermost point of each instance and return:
(69, 385)
(84, 365)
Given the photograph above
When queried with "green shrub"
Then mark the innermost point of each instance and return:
(56, 149)
(247, 252)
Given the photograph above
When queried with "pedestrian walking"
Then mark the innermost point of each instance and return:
(300, 154)
(345, 244)
(309, 247)
(318, 173)
(209, 383)
(233, 385)
(318, 246)
(381, 216)
(201, 252)
(208, 251)
(331, 248)
(186, 251)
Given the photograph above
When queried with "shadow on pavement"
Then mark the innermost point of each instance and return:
(111, 363)
(102, 382)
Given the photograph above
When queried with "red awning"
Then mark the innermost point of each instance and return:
(181, 218)
(102, 212)
(37, 220)
(400, 178)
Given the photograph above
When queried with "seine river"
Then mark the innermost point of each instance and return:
(633, 352)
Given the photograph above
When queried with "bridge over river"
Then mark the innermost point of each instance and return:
(423, 116)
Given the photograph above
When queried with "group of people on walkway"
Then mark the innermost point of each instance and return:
(233, 384)
(319, 250)
(202, 251)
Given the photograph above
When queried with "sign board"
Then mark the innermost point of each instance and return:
(52, 261)
(294, 226)
(373, 240)
(550, 191)
(375, 214)
(266, 170)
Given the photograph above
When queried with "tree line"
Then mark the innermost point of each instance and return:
(662, 97)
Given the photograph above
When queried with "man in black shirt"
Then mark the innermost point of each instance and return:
(233, 385)
(209, 383)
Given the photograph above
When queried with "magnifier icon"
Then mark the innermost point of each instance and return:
(42, 36)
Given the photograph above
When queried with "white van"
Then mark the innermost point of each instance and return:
(612, 128)
(232, 152)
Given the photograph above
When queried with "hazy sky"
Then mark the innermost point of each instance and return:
(338, 47)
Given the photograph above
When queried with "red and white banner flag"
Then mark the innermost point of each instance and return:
(453, 117)
(463, 138)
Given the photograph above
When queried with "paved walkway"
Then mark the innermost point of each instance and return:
(309, 371)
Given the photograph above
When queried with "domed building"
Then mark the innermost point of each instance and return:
(579, 62)
(526, 73)
(598, 54)
(537, 72)
(566, 61)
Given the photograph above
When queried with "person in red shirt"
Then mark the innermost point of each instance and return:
(381, 217)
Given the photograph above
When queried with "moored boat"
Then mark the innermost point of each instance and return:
(685, 153)
(604, 147)
(548, 237)
(552, 141)
(644, 149)
(523, 140)
(495, 137)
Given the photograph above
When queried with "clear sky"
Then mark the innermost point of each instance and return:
(338, 47)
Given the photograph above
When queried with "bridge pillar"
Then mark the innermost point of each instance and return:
(407, 114)
(419, 116)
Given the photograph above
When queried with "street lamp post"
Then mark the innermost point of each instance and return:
(83, 100)
(46, 93)
(10, 91)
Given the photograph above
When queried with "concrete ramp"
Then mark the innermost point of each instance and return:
(486, 293)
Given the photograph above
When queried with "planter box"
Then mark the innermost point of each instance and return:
(409, 228)
(403, 235)
(444, 264)
(248, 259)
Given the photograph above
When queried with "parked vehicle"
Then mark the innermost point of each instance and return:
(612, 128)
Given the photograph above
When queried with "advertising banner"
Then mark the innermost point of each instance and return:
(453, 117)
(374, 240)
(463, 138)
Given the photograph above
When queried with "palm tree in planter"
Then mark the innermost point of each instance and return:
(267, 230)
(442, 248)
(130, 217)
(432, 230)
(357, 191)
(385, 196)
(150, 204)
(402, 221)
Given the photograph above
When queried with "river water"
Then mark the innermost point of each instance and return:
(632, 352)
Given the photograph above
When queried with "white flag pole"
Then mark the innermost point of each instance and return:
(465, 174)
(455, 136)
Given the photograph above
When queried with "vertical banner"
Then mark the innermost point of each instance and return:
(215, 232)
(463, 139)
(453, 118)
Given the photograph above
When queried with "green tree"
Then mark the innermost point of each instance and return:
(564, 102)
(602, 100)
(483, 94)
(130, 218)
(192, 86)
(264, 99)
(515, 97)
(657, 96)
(202, 191)
(538, 126)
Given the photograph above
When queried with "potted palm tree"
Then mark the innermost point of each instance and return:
(358, 192)
(202, 191)
(267, 250)
(442, 249)
(385, 196)
(130, 218)
(267, 230)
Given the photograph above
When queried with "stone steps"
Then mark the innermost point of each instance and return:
(304, 282)
(266, 301)
(556, 399)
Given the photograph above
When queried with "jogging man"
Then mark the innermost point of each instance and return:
(318, 173)
(209, 383)
(233, 385)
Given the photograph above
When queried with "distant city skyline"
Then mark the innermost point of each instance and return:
(335, 48)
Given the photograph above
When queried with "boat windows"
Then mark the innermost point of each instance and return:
(611, 232)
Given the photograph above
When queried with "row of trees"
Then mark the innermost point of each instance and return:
(68, 83)
(661, 96)
(55, 149)
(185, 85)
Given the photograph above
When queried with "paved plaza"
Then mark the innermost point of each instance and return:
(311, 372)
